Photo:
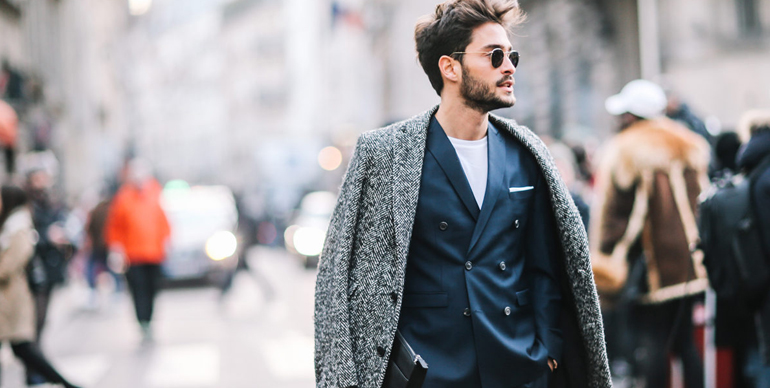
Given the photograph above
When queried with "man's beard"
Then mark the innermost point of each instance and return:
(478, 96)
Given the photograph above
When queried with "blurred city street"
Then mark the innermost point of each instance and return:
(198, 139)
(258, 335)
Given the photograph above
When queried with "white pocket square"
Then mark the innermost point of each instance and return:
(517, 189)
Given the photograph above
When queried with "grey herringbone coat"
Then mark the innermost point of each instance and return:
(361, 271)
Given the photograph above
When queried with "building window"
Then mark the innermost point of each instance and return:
(748, 18)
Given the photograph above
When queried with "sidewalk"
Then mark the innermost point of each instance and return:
(246, 339)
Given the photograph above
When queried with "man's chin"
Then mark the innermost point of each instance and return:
(505, 102)
(491, 103)
(508, 100)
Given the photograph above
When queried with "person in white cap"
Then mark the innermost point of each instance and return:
(639, 99)
(648, 181)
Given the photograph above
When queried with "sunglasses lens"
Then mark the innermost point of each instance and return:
(497, 58)
(514, 58)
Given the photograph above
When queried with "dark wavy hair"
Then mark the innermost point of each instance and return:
(450, 27)
(13, 197)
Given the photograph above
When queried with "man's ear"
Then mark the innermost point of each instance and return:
(450, 68)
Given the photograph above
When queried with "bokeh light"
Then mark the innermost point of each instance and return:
(330, 158)
(221, 245)
(139, 7)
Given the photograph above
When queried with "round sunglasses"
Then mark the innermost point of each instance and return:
(496, 56)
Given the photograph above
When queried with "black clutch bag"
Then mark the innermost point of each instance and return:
(405, 368)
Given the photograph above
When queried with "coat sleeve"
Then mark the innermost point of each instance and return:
(334, 364)
(16, 257)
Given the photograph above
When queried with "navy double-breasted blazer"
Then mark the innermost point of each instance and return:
(481, 297)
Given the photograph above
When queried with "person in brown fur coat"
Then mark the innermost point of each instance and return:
(648, 182)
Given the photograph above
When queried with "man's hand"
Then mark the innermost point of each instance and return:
(552, 364)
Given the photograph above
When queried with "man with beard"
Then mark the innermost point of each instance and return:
(455, 229)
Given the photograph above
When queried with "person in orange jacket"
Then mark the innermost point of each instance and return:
(137, 231)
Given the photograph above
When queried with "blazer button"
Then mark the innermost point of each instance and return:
(443, 225)
(381, 351)
(394, 296)
(507, 310)
(502, 266)
(468, 265)
(467, 312)
(516, 224)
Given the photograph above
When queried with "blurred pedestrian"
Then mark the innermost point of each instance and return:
(445, 235)
(137, 230)
(9, 122)
(648, 182)
(679, 111)
(48, 216)
(17, 309)
(97, 257)
(566, 163)
(49, 264)
(724, 164)
(734, 326)
(755, 130)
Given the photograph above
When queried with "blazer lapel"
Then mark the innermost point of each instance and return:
(442, 150)
(408, 155)
(495, 180)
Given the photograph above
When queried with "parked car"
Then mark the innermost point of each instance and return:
(203, 221)
(307, 231)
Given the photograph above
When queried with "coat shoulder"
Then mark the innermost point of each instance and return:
(522, 133)
(383, 139)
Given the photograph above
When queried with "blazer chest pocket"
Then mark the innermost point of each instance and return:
(437, 299)
(519, 192)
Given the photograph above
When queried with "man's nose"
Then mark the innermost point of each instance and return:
(507, 66)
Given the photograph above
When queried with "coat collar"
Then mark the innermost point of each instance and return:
(441, 148)
(496, 163)
(408, 154)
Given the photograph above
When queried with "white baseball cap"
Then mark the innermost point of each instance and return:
(639, 97)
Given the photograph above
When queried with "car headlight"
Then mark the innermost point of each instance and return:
(288, 238)
(221, 245)
(309, 241)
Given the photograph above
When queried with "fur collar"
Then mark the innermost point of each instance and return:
(650, 145)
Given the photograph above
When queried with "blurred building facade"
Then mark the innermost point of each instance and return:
(245, 92)
(177, 111)
(576, 53)
(716, 54)
(275, 97)
(70, 99)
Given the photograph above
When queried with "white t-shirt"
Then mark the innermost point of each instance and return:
(473, 157)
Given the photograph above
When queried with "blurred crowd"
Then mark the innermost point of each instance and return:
(103, 239)
(657, 200)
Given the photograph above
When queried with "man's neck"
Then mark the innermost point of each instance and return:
(462, 122)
